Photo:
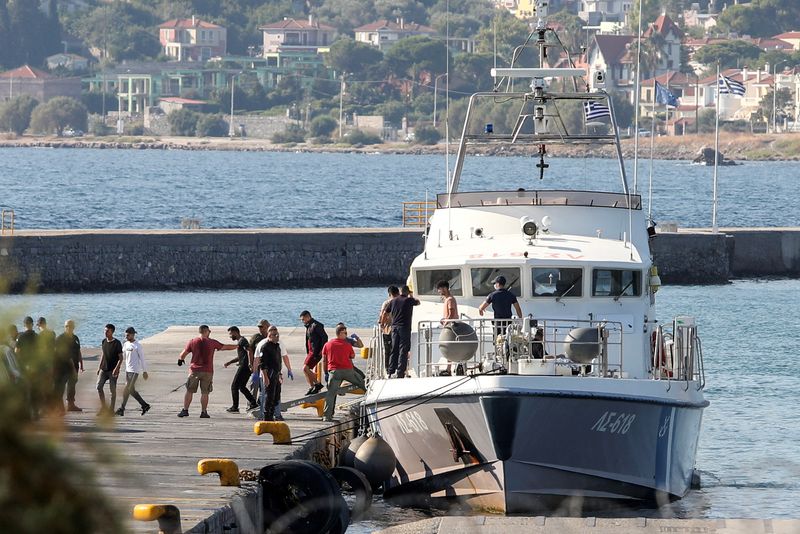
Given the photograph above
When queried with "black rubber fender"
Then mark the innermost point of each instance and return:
(358, 484)
(341, 519)
(299, 497)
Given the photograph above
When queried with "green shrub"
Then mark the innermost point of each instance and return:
(98, 127)
(323, 126)
(209, 125)
(58, 113)
(292, 134)
(358, 137)
(183, 122)
(426, 135)
(15, 114)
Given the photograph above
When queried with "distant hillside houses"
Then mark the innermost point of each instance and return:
(192, 39)
(383, 34)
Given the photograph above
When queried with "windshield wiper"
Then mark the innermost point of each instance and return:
(624, 289)
(564, 294)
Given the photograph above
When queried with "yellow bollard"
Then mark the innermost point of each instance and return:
(366, 352)
(167, 515)
(227, 469)
(281, 435)
(318, 404)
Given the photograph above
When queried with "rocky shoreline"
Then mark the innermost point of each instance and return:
(781, 147)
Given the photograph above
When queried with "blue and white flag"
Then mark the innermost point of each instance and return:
(594, 110)
(728, 86)
(664, 96)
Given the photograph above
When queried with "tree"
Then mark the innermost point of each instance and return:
(211, 125)
(730, 54)
(413, 55)
(784, 105)
(183, 122)
(426, 135)
(651, 9)
(706, 120)
(292, 134)
(346, 14)
(623, 109)
(323, 126)
(30, 32)
(57, 114)
(15, 114)
(511, 33)
(347, 55)
(471, 73)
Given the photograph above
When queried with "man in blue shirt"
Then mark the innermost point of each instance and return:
(501, 300)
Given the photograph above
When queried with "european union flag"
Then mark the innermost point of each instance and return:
(663, 96)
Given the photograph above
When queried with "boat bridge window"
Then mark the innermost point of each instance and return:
(557, 282)
(616, 283)
(428, 278)
(482, 280)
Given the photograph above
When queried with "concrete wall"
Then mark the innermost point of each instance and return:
(119, 259)
(256, 126)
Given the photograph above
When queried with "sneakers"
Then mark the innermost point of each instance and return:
(251, 407)
(316, 389)
(145, 409)
(311, 390)
(232, 409)
(279, 417)
(120, 412)
(74, 408)
(204, 415)
(183, 413)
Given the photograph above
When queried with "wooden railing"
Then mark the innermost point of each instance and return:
(417, 213)
(7, 220)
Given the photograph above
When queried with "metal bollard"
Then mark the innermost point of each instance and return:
(281, 435)
(167, 515)
(227, 469)
(318, 404)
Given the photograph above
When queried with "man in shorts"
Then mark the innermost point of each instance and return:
(316, 337)
(201, 370)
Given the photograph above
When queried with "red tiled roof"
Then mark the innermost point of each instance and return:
(26, 71)
(189, 23)
(787, 35)
(670, 78)
(394, 26)
(663, 24)
(613, 47)
(738, 75)
(773, 44)
(296, 24)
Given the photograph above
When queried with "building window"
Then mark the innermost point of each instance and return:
(557, 282)
(616, 283)
(427, 280)
(482, 279)
(291, 39)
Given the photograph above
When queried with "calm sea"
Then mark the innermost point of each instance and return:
(749, 454)
(92, 188)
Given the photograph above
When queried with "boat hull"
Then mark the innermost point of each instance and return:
(523, 450)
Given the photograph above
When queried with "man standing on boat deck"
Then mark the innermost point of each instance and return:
(201, 371)
(386, 326)
(337, 359)
(450, 311)
(316, 337)
(501, 300)
(401, 309)
(243, 368)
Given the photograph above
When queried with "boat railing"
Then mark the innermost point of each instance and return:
(418, 213)
(678, 354)
(519, 346)
(596, 199)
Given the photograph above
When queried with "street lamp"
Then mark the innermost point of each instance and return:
(435, 93)
(231, 128)
(775, 96)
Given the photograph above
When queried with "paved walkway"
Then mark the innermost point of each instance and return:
(155, 455)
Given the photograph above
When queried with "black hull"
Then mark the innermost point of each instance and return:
(520, 453)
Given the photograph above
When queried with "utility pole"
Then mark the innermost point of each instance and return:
(341, 105)
(435, 94)
(231, 127)
(774, 98)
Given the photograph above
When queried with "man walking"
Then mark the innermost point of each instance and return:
(501, 300)
(337, 360)
(134, 365)
(27, 348)
(108, 370)
(286, 362)
(400, 310)
(201, 370)
(386, 326)
(263, 325)
(68, 362)
(316, 337)
(244, 365)
(268, 355)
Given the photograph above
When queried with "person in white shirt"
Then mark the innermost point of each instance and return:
(134, 365)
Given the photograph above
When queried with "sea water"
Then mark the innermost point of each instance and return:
(750, 443)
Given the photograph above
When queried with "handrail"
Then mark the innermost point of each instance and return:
(12, 219)
(417, 214)
(678, 355)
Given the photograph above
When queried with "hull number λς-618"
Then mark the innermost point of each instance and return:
(614, 422)
(411, 421)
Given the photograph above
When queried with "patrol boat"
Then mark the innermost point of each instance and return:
(587, 396)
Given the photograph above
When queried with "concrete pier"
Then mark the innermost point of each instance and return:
(155, 456)
(108, 260)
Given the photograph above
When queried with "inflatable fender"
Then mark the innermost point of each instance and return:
(348, 477)
(300, 497)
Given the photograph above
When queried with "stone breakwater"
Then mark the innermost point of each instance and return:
(287, 258)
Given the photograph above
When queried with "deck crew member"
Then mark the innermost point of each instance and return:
(316, 337)
(201, 370)
(385, 322)
(501, 300)
(401, 310)
(337, 360)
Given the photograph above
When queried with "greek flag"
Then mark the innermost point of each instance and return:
(594, 110)
(730, 87)
(664, 96)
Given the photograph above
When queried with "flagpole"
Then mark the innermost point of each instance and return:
(636, 103)
(714, 228)
(652, 149)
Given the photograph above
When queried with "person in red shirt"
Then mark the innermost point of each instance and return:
(201, 370)
(337, 360)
